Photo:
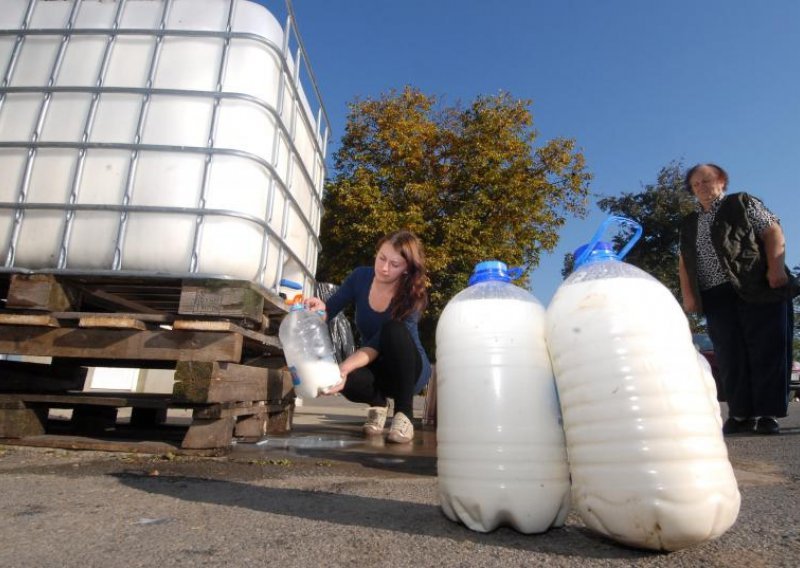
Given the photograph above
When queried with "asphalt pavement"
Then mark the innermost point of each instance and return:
(323, 496)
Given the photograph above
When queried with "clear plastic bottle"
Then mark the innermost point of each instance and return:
(500, 445)
(648, 462)
(308, 350)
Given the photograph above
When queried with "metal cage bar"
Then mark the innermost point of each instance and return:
(289, 79)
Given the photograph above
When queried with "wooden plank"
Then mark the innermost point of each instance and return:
(205, 325)
(148, 318)
(280, 421)
(118, 400)
(207, 434)
(16, 376)
(221, 298)
(38, 292)
(280, 386)
(45, 320)
(22, 422)
(169, 345)
(209, 382)
(113, 301)
(222, 325)
(111, 322)
(251, 427)
(235, 410)
(106, 445)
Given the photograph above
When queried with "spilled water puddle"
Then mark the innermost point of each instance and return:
(309, 443)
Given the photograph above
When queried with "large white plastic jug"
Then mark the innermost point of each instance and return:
(308, 350)
(648, 462)
(500, 444)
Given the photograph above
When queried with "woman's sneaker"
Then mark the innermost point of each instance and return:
(376, 420)
(402, 430)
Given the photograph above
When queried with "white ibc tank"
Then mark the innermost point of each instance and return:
(500, 445)
(648, 461)
(157, 137)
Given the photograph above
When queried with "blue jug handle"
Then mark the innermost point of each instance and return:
(622, 221)
(514, 273)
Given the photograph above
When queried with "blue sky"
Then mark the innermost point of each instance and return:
(637, 83)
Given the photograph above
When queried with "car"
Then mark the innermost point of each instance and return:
(703, 344)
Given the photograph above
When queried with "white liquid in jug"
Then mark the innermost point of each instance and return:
(648, 462)
(315, 377)
(501, 451)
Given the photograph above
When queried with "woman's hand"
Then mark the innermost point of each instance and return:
(314, 304)
(338, 387)
(359, 358)
(690, 305)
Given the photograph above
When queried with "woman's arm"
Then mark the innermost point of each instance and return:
(690, 303)
(775, 250)
(343, 295)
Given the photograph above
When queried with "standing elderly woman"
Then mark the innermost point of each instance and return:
(389, 298)
(732, 270)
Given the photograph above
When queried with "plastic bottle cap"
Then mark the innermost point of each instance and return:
(492, 271)
(602, 250)
(296, 302)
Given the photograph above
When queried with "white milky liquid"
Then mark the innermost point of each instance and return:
(648, 462)
(315, 376)
(308, 351)
(500, 445)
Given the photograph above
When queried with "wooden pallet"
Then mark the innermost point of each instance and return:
(218, 335)
(226, 400)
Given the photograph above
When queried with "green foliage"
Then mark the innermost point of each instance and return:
(466, 180)
(659, 208)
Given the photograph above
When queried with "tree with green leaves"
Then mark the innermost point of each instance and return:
(467, 180)
(659, 208)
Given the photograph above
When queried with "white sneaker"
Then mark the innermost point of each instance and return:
(376, 419)
(402, 430)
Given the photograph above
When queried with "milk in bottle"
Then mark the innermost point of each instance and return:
(648, 462)
(308, 350)
(500, 444)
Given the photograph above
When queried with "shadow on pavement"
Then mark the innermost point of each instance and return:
(375, 514)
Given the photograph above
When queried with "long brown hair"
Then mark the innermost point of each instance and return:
(412, 293)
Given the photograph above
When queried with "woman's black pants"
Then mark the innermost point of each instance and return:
(753, 347)
(392, 375)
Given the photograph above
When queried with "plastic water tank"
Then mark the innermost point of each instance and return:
(157, 138)
(648, 462)
(500, 444)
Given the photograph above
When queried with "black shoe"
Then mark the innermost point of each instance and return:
(767, 425)
(733, 426)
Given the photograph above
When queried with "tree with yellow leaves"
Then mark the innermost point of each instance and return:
(467, 180)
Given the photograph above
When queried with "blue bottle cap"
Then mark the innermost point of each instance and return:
(602, 250)
(493, 271)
